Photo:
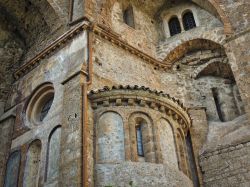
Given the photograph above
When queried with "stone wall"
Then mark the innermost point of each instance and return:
(54, 70)
(114, 66)
(238, 13)
(227, 166)
(139, 174)
(238, 53)
(26, 29)
(144, 36)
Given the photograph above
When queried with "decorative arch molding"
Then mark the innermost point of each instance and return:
(141, 97)
(195, 42)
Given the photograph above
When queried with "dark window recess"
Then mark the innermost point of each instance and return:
(217, 103)
(188, 21)
(128, 17)
(174, 26)
(139, 140)
(191, 160)
(46, 108)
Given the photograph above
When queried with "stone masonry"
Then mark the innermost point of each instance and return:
(124, 93)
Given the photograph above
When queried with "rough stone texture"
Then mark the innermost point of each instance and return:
(239, 60)
(236, 10)
(139, 174)
(227, 166)
(110, 138)
(33, 160)
(55, 69)
(167, 143)
(202, 59)
(52, 173)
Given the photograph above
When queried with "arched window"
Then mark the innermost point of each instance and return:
(217, 101)
(167, 143)
(53, 155)
(188, 21)
(142, 142)
(40, 103)
(139, 142)
(174, 26)
(12, 171)
(32, 166)
(110, 138)
(128, 16)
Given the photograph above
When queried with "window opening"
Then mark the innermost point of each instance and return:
(128, 17)
(46, 108)
(188, 21)
(12, 170)
(174, 26)
(217, 103)
(139, 140)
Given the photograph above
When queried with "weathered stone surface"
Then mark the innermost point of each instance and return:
(206, 69)
(139, 174)
(110, 138)
(227, 166)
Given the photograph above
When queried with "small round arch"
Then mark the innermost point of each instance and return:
(188, 20)
(174, 26)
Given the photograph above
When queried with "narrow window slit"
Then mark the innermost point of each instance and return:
(139, 141)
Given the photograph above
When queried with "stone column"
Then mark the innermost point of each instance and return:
(237, 49)
(198, 132)
(71, 137)
(6, 131)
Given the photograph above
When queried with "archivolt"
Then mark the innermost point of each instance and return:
(178, 50)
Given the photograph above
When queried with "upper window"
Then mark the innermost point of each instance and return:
(139, 140)
(188, 21)
(128, 16)
(40, 104)
(174, 26)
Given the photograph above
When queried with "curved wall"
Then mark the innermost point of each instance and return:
(167, 143)
(110, 138)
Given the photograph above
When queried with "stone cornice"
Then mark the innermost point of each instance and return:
(34, 62)
(142, 97)
(99, 30)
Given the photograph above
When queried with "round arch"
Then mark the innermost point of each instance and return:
(178, 51)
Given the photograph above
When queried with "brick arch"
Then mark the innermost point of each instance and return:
(195, 42)
(216, 6)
